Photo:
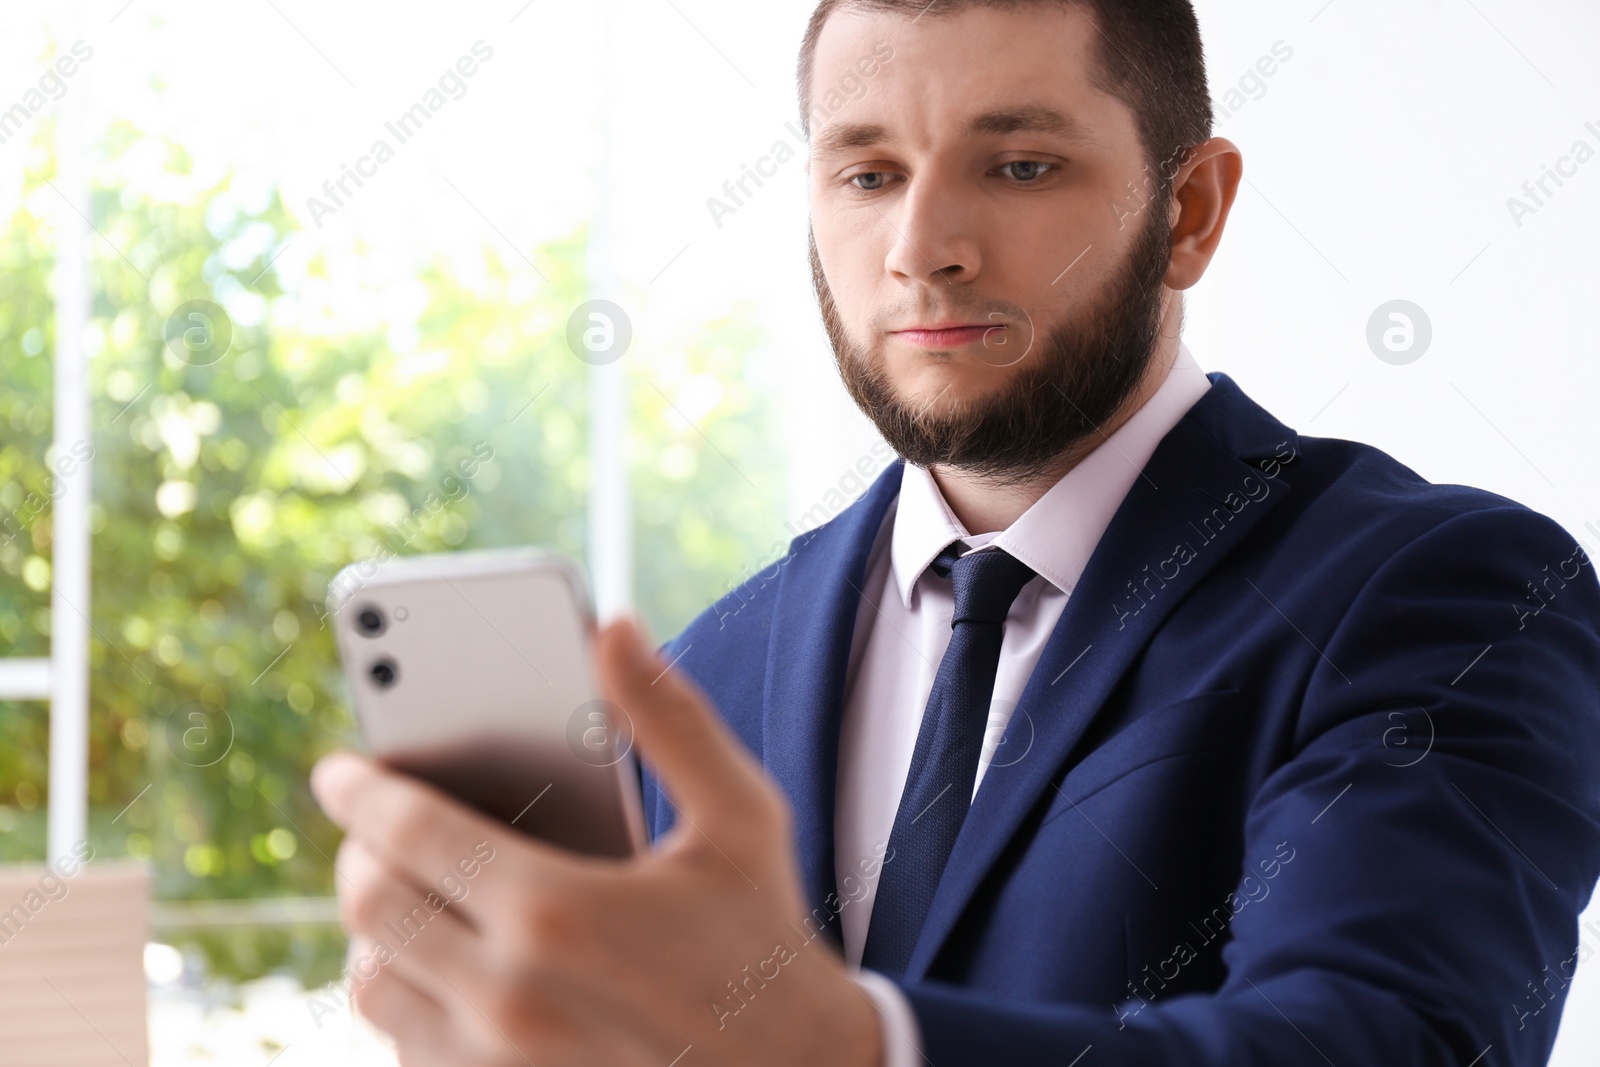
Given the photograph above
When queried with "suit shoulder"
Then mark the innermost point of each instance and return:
(1356, 492)
(724, 648)
(744, 613)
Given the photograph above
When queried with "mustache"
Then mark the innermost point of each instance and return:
(973, 309)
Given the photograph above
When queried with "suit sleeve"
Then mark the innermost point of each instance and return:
(656, 820)
(1430, 913)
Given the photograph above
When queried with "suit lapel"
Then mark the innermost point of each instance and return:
(1195, 481)
(813, 622)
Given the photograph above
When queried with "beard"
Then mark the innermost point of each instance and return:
(1070, 382)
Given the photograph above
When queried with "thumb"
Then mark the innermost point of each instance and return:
(703, 766)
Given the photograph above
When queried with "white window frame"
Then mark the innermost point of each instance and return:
(62, 679)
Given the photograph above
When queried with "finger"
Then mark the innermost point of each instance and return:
(419, 1024)
(425, 833)
(423, 930)
(705, 768)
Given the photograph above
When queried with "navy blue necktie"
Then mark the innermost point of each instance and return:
(944, 764)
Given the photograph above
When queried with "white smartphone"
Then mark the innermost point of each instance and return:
(474, 671)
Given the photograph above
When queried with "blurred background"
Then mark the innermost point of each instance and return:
(549, 263)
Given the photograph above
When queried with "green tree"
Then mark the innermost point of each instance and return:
(229, 490)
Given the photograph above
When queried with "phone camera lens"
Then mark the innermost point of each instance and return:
(384, 672)
(369, 620)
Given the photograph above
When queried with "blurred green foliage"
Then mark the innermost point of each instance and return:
(226, 496)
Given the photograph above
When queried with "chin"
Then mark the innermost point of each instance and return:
(946, 387)
(953, 377)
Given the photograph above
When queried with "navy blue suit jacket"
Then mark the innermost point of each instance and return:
(1308, 771)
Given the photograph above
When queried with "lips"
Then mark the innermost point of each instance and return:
(946, 335)
(948, 324)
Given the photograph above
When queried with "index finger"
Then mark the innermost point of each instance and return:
(420, 830)
(702, 764)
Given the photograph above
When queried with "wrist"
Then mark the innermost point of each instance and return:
(848, 1028)
(899, 1042)
(867, 1043)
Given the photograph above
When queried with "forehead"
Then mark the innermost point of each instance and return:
(947, 71)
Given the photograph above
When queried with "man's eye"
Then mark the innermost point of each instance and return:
(1029, 169)
(870, 174)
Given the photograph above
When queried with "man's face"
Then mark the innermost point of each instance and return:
(1043, 237)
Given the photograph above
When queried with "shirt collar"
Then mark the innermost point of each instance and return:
(1059, 532)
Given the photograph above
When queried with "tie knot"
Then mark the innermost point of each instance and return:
(985, 582)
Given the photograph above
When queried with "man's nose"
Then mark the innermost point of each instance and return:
(932, 237)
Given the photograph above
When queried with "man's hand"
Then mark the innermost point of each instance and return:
(472, 943)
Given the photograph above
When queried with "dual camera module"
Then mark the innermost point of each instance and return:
(370, 622)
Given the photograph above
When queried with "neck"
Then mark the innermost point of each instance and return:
(985, 504)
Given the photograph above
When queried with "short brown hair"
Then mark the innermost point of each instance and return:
(1148, 55)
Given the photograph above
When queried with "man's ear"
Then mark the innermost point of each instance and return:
(1203, 192)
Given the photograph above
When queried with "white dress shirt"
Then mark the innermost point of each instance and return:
(902, 629)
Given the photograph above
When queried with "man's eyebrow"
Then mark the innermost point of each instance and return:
(845, 135)
(1032, 118)
(1026, 118)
